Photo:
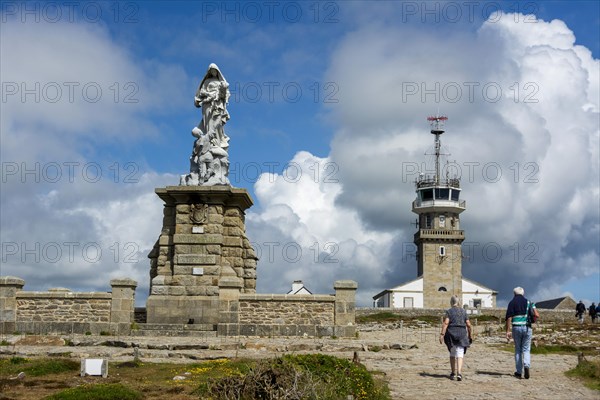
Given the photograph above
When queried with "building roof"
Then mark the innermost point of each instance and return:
(480, 285)
(378, 295)
(553, 303)
(298, 288)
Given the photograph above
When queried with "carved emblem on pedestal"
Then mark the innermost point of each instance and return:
(199, 213)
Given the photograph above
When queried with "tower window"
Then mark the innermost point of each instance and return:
(455, 194)
(442, 194)
(442, 289)
(442, 251)
(428, 221)
(427, 194)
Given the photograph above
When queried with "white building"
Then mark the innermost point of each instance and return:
(299, 288)
(410, 295)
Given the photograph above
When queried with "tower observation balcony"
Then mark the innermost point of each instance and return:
(439, 195)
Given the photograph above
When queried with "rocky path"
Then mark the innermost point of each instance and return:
(412, 360)
(422, 373)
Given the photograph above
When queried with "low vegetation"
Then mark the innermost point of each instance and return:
(108, 391)
(37, 367)
(588, 372)
(311, 376)
(388, 316)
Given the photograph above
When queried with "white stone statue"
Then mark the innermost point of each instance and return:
(209, 162)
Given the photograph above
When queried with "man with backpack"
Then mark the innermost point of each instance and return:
(593, 313)
(520, 313)
(580, 311)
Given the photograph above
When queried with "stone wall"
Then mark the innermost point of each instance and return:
(62, 311)
(546, 316)
(287, 309)
(286, 315)
(63, 306)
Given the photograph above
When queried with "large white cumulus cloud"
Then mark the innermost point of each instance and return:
(301, 233)
(525, 139)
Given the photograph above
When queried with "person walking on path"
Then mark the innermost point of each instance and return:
(593, 313)
(456, 334)
(580, 311)
(517, 327)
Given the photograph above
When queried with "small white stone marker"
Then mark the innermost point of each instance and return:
(94, 367)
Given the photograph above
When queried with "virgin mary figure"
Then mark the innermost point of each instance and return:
(213, 95)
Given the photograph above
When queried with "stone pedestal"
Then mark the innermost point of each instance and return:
(203, 239)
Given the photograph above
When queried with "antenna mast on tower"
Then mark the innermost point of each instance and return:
(437, 125)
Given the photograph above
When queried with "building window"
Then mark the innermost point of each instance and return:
(442, 251)
(477, 303)
(428, 221)
(442, 289)
(408, 302)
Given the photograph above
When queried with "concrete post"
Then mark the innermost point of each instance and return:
(345, 307)
(9, 286)
(122, 304)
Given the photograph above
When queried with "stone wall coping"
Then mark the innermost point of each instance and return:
(11, 281)
(128, 282)
(288, 297)
(63, 295)
(345, 284)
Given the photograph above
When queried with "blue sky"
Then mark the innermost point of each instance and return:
(328, 108)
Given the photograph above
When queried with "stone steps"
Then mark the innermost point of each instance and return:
(188, 330)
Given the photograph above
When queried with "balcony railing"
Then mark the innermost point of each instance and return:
(444, 233)
(429, 181)
(439, 203)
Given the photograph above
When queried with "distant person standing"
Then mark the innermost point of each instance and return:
(580, 311)
(593, 313)
(518, 329)
(456, 334)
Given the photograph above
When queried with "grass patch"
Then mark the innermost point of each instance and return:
(588, 372)
(107, 391)
(551, 349)
(485, 318)
(388, 316)
(385, 316)
(52, 366)
(37, 367)
(555, 349)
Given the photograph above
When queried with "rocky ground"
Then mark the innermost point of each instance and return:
(410, 358)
